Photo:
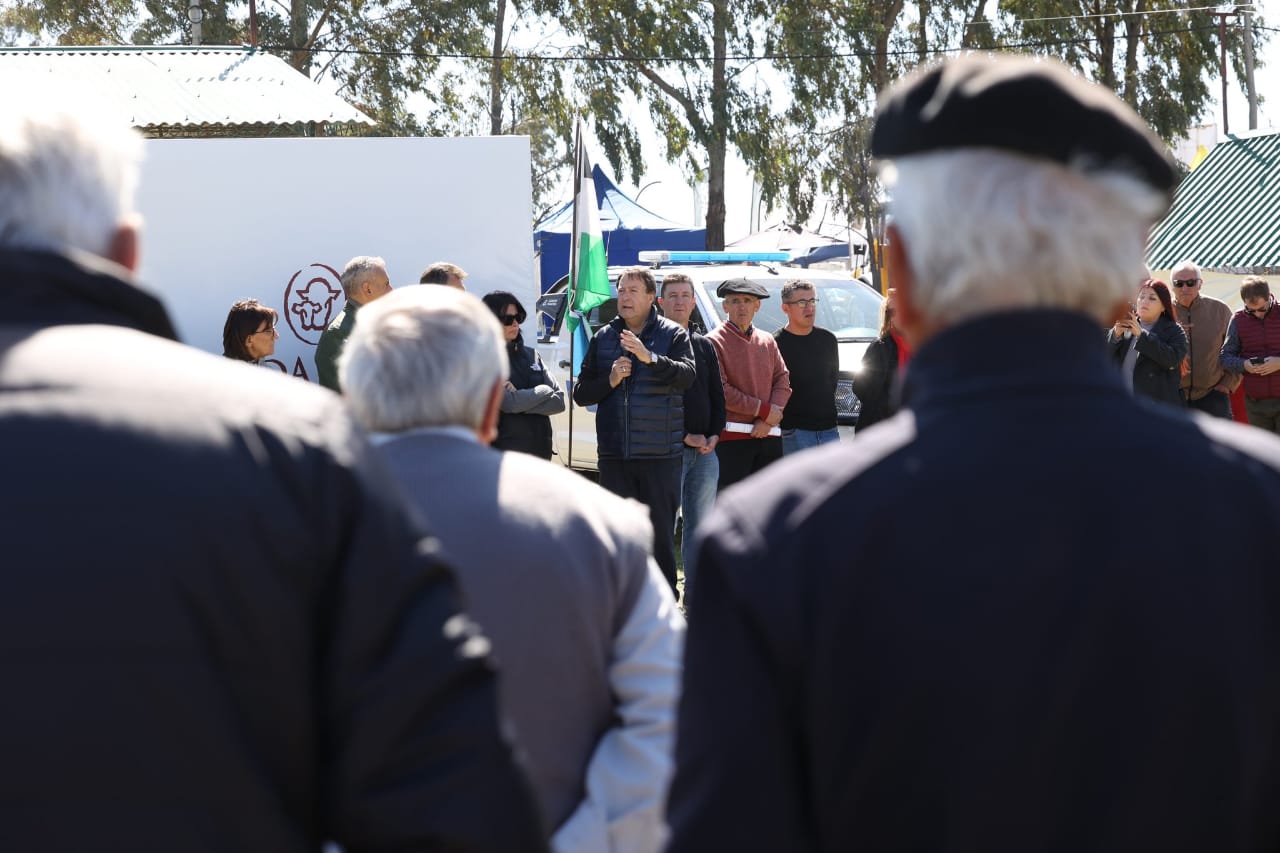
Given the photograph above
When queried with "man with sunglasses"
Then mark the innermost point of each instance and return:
(1205, 385)
(1253, 349)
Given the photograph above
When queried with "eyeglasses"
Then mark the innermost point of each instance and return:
(268, 330)
(1185, 282)
(803, 303)
(510, 319)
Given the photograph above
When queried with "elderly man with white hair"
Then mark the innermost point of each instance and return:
(557, 571)
(220, 629)
(975, 629)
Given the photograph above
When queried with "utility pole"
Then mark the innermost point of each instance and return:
(195, 14)
(1252, 91)
(1222, 40)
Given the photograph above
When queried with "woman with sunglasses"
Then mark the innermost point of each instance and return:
(1149, 346)
(249, 334)
(532, 394)
(884, 359)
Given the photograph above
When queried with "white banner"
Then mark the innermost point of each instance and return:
(277, 219)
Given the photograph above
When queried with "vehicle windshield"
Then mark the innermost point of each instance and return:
(849, 309)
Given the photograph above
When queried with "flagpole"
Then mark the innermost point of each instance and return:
(573, 276)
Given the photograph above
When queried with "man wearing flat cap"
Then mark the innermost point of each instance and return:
(973, 629)
(756, 384)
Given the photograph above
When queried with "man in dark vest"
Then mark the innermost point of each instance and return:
(637, 368)
(1253, 349)
(972, 629)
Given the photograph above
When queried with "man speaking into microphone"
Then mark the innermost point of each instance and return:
(636, 370)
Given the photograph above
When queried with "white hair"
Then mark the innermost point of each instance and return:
(422, 356)
(987, 231)
(67, 179)
(359, 270)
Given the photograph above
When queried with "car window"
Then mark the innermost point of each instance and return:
(850, 309)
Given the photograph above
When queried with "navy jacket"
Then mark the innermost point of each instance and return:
(643, 418)
(219, 630)
(963, 632)
(704, 400)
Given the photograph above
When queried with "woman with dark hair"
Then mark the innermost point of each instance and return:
(532, 394)
(1149, 346)
(250, 332)
(884, 359)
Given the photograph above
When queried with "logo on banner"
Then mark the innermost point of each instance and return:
(311, 301)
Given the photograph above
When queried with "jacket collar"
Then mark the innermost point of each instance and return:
(1053, 349)
(50, 288)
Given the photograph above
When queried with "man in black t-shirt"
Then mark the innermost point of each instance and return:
(813, 358)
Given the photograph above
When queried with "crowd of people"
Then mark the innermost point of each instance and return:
(242, 612)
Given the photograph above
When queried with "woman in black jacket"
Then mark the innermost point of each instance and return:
(1149, 345)
(882, 361)
(532, 394)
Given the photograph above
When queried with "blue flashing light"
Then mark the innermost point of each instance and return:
(666, 257)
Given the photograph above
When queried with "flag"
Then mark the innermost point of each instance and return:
(588, 274)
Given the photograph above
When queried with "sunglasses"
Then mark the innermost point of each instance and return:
(510, 319)
(1185, 282)
(1258, 312)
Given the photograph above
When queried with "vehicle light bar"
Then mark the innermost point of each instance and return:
(666, 257)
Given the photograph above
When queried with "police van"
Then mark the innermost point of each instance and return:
(848, 307)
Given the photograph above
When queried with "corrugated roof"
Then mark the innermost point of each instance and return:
(175, 86)
(1226, 212)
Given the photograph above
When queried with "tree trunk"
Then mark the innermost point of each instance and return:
(495, 70)
(718, 138)
(1134, 25)
(922, 37)
(299, 57)
(975, 24)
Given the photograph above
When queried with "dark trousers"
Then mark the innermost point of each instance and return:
(656, 484)
(742, 458)
(1214, 403)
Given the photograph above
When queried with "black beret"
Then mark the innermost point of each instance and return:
(743, 286)
(1035, 107)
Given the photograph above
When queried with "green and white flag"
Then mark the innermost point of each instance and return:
(589, 275)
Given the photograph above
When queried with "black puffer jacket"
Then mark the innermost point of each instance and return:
(643, 418)
(219, 630)
(525, 424)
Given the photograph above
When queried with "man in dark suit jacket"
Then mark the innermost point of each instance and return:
(974, 628)
(219, 628)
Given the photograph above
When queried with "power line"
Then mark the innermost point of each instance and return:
(739, 57)
(1144, 14)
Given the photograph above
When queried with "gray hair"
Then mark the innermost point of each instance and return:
(1186, 265)
(987, 231)
(794, 285)
(67, 179)
(422, 356)
(358, 270)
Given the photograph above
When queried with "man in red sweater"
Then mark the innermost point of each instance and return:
(756, 384)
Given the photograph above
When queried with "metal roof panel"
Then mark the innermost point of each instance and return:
(175, 86)
(1226, 212)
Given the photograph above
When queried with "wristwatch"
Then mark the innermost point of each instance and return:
(652, 357)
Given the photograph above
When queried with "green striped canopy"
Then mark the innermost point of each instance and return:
(1226, 212)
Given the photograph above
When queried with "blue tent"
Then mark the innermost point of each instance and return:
(627, 229)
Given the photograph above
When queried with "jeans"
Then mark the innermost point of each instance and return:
(697, 494)
(1214, 403)
(795, 440)
(1264, 413)
(656, 484)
